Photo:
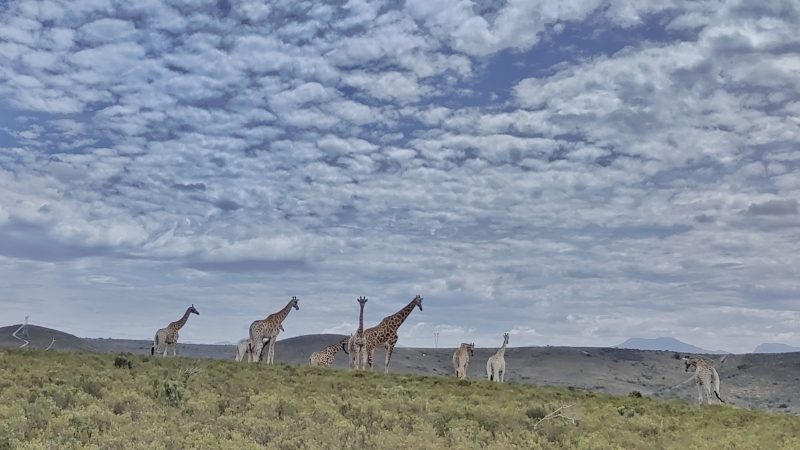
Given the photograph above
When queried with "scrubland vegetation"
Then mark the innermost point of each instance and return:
(52, 400)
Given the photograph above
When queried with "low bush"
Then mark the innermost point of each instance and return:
(81, 400)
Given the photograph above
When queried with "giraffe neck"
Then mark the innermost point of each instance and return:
(361, 320)
(401, 316)
(502, 350)
(280, 315)
(177, 325)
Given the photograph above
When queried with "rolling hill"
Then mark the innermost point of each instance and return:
(758, 381)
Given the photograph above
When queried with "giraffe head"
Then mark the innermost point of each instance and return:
(294, 303)
(344, 344)
(418, 301)
(470, 348)
(505, 339)
(689, 362)
(193, 311)
(362, 300)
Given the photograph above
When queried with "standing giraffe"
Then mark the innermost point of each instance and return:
(269, 329)
(385, 333)
(705, 376)
(169, 335)
(358, 339)
(461, 359)
(496, 365)
(245, 347)
(324, 357)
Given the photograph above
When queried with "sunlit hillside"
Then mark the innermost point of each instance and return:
(83, 400)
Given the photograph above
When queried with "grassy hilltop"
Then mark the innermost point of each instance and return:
(85, 400)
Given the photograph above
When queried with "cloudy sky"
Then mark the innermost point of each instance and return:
(573, 173)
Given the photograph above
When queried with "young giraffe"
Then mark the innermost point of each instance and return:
(358, 339)
(461, 359)
(324, 357)
(269, 328)
(496, 365)
(705, 376)
(385, 333)
(245, 347)
(169, 335)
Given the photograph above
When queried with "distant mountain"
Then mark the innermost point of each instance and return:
(223, 343)
(770, 347)
(666, 344)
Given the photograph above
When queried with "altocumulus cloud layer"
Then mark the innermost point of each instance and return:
(574, 173)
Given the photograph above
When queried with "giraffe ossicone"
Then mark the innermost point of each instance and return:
(169, 334)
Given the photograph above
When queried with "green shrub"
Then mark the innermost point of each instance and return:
(78, 400)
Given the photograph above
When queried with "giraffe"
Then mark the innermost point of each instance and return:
(269, 328)
(461, 359)
(245, 347)
(385, 333)
(324, 357)
(352, 350)
(496, 365)
(705, 376)
(169, 335)
(358, 339)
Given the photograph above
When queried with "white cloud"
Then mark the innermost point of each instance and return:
(628, 188)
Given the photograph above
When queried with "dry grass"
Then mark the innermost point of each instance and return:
(83, 400)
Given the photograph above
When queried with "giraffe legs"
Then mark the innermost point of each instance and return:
(271, 353)
(700, 393)
(389, 349)
(363, 358)
(370, 357)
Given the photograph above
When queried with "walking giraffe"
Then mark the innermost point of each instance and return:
(269, 329)
(324, 357)
(705, 376)
(385, 333)
(245, 347)
(169, 335)
(496, 365)
(461, 359)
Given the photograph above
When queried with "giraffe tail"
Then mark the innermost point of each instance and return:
(344, 344)
(716, 385)
(153, 348)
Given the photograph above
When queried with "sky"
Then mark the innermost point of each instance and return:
(573, 173)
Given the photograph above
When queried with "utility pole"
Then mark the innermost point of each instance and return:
(436, 339)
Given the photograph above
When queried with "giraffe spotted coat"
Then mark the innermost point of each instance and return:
(384, 335)
(496, 365)
(169, 334)
(706, 378)
(461, 359)
(269, 328)
(324, 357)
